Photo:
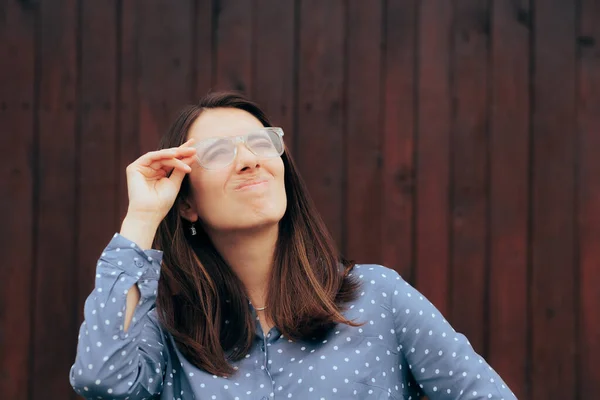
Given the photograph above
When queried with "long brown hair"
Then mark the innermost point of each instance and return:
(203, 304)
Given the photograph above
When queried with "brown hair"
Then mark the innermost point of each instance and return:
(202, 303)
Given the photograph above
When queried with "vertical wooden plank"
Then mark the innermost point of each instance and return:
(96, 144)
(399, 83)
(274, 63)
(320, 142)
(469, 169)
(589, 199)
(552, 296)
(363, 126)
(433, 151)
(128, 135)
(55, 329)
(203, 60)
(165, 84)
(17, 49)
(234, 45)
(509, 201)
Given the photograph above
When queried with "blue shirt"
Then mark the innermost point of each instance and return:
(406, 349)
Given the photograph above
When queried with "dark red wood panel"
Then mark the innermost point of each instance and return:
(233, 30)
(55, 324)
(273, 60)
(433, 151)
(202, 52)
(17, 100)
(469, 157)
(363, 132)
(165, 64)
(553, 190)
(96, 143)
(397, 143)
(128, 135)
(320, 136)
(509, 189)
(589, 199)
(454, 141)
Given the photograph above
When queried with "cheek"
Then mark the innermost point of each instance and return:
(208, 188)
(276, 168)
(280, 179)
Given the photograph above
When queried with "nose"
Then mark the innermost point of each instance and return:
(245, 159)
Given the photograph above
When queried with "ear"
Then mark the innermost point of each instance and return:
(187, 210)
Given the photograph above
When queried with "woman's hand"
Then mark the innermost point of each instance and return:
(154, 180)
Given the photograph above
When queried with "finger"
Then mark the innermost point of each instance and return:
(170, 163)
(178, 152)
(183, 152)
(153, 156)
(177, 175)
(189, 142)
(189, 160)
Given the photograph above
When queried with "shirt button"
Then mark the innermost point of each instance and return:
(139, 263)
(264, 398)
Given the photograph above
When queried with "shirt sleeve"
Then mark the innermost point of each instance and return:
(442, 361)
(112, 363)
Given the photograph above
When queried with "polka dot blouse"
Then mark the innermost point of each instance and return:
(405, 349)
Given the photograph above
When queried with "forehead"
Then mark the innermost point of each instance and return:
(223, 122)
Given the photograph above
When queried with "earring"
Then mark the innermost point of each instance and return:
(193, 230)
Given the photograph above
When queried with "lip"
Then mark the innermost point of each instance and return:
(251, 184)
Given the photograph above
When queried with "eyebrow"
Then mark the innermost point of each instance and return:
(217, 141)
(235, 136)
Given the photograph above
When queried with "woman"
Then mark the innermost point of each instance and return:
(253, 301)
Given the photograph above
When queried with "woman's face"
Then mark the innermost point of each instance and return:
(249, 193)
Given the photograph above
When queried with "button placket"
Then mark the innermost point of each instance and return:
(265, 351)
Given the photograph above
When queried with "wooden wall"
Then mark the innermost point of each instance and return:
(456, 141)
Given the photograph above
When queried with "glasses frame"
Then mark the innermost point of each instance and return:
(236, 140)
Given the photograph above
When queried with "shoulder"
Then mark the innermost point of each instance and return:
(377, 276)
(378, 280)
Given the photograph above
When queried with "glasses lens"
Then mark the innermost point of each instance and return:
(265, 143)
(215, 153)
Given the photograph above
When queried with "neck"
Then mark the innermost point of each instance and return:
(250, 255)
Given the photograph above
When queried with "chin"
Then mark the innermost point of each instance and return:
(248, 216)
(254, 219)
(261, 219)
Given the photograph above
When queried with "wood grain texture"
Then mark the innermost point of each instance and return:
(469, 170)
(320, 141)
(274, 63)
(363, 194)
(96, 142)
(234, 39)
(55, 326)
(553, 202)
(453, 141)
(397, 144)
(588, 102)
(128, 128)
(434, 116)
(509, 189)
(17, 191)
(202, 51)
(165, 81)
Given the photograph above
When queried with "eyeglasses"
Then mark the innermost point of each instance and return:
(219, 152)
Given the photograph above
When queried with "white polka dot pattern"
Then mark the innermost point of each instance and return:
(405, 349)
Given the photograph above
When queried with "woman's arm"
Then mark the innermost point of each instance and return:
(441, 360)
(116, 357)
